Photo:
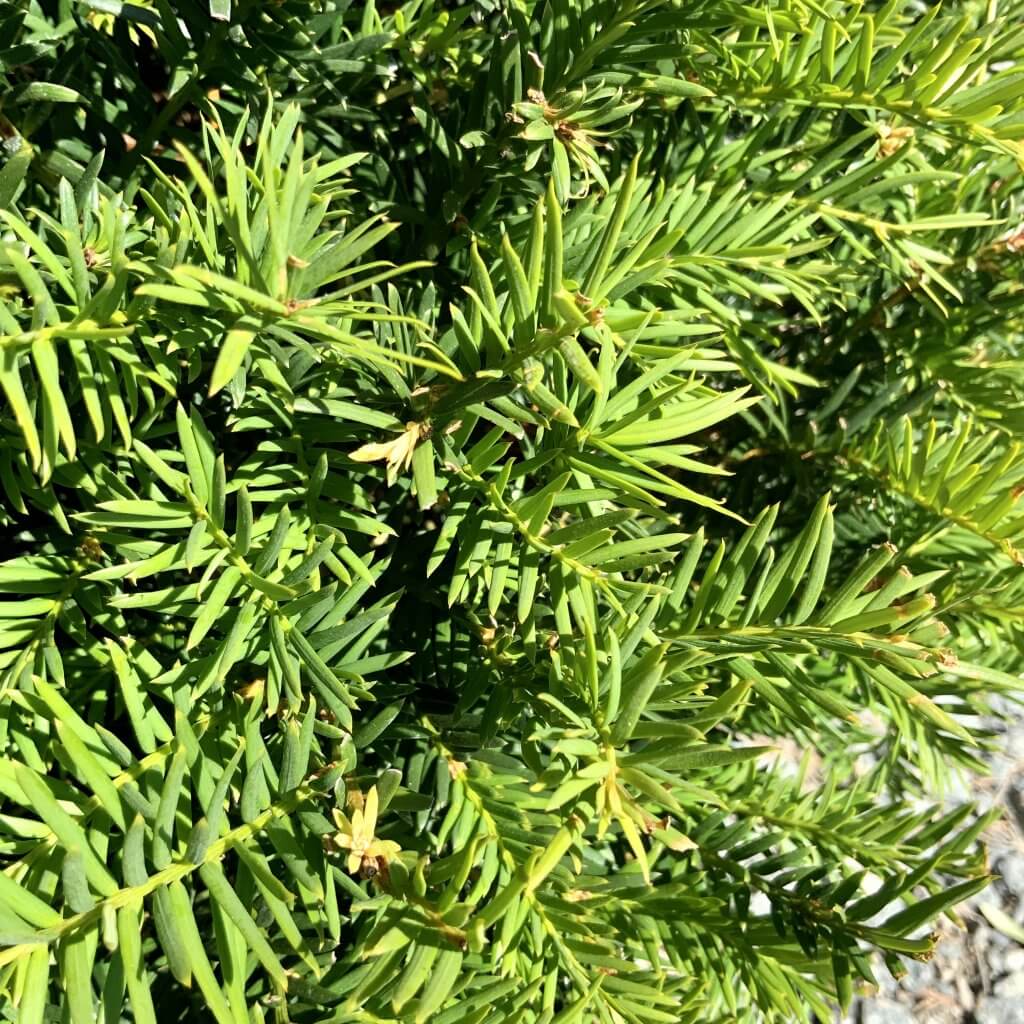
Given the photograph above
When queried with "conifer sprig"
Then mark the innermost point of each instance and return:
(512, 509)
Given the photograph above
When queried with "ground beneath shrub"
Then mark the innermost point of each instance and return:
(977, 973)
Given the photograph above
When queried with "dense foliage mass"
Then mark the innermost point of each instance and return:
(510, 509)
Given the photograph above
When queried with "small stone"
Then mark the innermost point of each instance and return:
(944, 1013)
(886, 1011)
(951, 949)
(919, 976)
(1013, 743)
(1010, 868)
(999, 1010)
(1010, 987)
(1013, 961)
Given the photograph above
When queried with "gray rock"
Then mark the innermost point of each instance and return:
(951, 949)
(1010, 987)
(1013, 743)
(1013, 961)
(1000, 1010)
(1010, 868)
(945, 1014)
(1015, 791)
(919, 976)
(887, 1011)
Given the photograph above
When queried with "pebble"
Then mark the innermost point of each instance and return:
(919, 976)
(886, 1011)
(1000, 1010)
(1014, 961)
(1010, 868)
(1013, 743)
(977, 974)
(1010, 987)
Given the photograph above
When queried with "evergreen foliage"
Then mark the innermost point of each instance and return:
(511, 509)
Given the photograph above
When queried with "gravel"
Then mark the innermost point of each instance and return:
(999, 1010)
(977, 973)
